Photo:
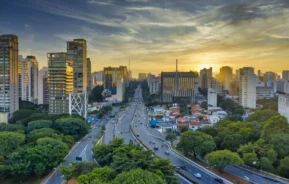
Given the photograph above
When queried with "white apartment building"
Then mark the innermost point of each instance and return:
(154, 85)
(120, 89)
(283, 105)
(9, 90)
(264, 92)
(212, 98)
(28, 78)
(269, 77)
(43, 86)
(247, 88)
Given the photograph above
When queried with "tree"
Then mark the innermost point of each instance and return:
(98, 175)
(68, 139)
(138, 176)
(212, 131)
(72, 126)
(9, 141)
(196, 142)
(5, 127)
(164, 167)
(96, 94)
(204, 105)
(284, 167)
(276, 124)
(77, 168)
(249, 158)
(40, 133)
(234, 117)
(21, 114)
(221, 158)
(262, 115)
(232, 142)
(184, 129)
(38, 124)
(280, 143)
(39, 169)
(228, 104)
(171, 137)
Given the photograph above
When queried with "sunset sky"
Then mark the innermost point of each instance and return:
(154, 33)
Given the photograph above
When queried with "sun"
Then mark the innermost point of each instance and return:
(205, 66)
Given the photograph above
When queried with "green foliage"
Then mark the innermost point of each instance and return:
(69, 140)
(209, 130)
(230, 105)
(232, 142)
(234, 118)
(77, 169)
(9, 141)
(280, 143)
(5, 127)
(95, 95)
(249, 158)
(71, 126)
(271, 103)
(276, 124)
(184, 129)
(262, 115)
(221, 158)
(21, 114)
(284, 167)
(204, 105)
(138, 176)
(171, 137)
(38, 124)
(102, 175)
(40, 133)
(196, 142)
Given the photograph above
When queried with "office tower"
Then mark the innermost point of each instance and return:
(212, 98)
(226, 76)
(154, 84)
(142, 76)
(183, 82)
(97, 79)
(43, 86)
(269, 77)
(111, 75)
(28, 78)
(285, 75)
(76, 52)
(120, 89)
(9, 91)
(205, 78)
(260, 76)
(60, 82)
(247, 88)
(88, 74)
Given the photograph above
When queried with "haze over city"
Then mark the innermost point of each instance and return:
(154, 33)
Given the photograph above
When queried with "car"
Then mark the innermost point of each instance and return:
(219, 180)
(153, 142)
(137, 135)
(167, 152)
(156, 148)
(183, 167)
(89, 136)
(197, 175)
(177, 167)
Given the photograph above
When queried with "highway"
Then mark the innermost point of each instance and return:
(81, 149)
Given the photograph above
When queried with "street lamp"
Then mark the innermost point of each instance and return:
(259, 160)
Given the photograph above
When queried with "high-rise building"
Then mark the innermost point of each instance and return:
(28, 78)
(43, 86)
(212, 97)
(154, 84)
(142, 76)
(247, 88)
(120, 89)
(184, 85)
(9, 91)
(76, 52)
(226, 76)
(130, 75)
(205, 78)
(260, 76)
(97, 79)
(285, 75)
(111, 75)
(88, 74)
(60, 82)
(269, 77)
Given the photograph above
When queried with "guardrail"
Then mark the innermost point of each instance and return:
(197, 165)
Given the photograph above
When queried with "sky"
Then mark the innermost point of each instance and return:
(152, 34)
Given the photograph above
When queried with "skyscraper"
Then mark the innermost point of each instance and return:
(247, 88)
(111, 75)
(9, 91)
(43, 86)
(76, 52)
(60, 81)
(226, 76)
(205, 78)
(269, 77)
(28, 78)
(88, 74)
(285, 75)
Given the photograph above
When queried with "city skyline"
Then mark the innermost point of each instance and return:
(149, 33)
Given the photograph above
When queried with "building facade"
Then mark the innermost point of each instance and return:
(269, 77)
(43, 86)
(283, 105)
(77, 52)
(264, 92)
(178, 86)
(111, 75)
(120, 90)
(212, 98)
(285, 75)
(205, 78)
(226, 77)
(154, 84)
(142, 76)
(97, 79)
(9, 90)
(28, 78)
(247, 88)
(88, 74)
(60, 82)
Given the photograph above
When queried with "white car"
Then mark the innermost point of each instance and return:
(197, 175)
